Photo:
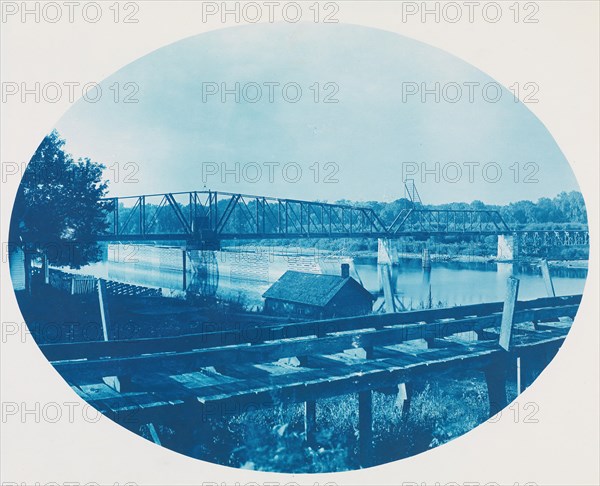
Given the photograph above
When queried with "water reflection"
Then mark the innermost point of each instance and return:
(245, 277)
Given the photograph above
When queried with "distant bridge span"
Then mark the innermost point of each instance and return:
(207, 217)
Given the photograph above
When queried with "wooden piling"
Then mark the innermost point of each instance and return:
(310, 422)
(365, 428)
(495, 377)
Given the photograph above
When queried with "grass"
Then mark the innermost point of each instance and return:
(272, 439)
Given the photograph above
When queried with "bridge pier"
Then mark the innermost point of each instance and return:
(508, 247)
(384, 251)
(205, 271)
(426, 259)
(384, 274)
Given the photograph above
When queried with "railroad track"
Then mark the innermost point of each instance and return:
(144, 381)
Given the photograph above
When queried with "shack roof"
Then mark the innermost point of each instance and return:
(311, 288)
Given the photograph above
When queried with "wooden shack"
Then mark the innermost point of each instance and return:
(317, 296)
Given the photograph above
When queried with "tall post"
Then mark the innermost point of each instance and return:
(184, 268)
(547, 278)
(508, 312)
(495, 375)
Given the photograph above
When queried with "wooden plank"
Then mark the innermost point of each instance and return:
(118, 383)
(270, 352)
(332, 381)
(508, 312)
(337, 380)
(99, 391)
(153, 433)
(320, 383)
(96, 349)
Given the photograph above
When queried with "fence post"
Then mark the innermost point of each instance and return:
(101, 285)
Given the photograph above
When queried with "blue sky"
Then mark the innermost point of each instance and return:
(171, 133)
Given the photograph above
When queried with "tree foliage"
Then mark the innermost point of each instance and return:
(57, 210)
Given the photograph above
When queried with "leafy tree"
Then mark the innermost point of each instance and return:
(57, 212)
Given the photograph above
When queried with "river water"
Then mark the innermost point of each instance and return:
(244, 277)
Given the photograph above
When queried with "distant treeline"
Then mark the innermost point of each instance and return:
(566, 209)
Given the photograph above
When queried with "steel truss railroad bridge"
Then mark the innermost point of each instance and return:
(205, 218)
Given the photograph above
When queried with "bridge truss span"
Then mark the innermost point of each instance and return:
(415, 220)
(213, 215)
(535, 239)
(207, 217)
